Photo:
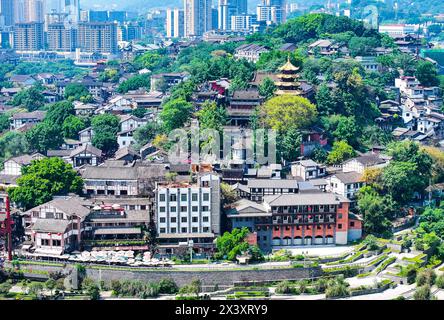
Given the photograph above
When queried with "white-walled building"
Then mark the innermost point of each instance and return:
(187, 211)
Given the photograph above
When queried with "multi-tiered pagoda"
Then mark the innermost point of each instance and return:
(288, 80)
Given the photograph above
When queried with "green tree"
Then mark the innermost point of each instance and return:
(58, 112)
(267, 88)
(340, 152)
(12, 144)
(145, 134)
(105, 128)
(175, 114)
(134, 83)
(230, 244)
(426, 73)
(44, 136)
(31, 99)
(376, 211)
(212, 116)
(71, 127)
(42, 180)
(287, 111)
(77, 92)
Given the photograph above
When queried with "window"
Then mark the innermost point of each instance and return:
(132, 207)
(173, 197)
(45, 242)
(161, 197)
(340, 226)
(194, 229)
(183, 209)
(162, 220)
(206, 229)
(56, 243)
(161, 209)
(206, 196)
(173, 230)
(194, 208)
(340, 216)
(352, 223)
(173, 209)
(184, 230)
(205, 208)
(194, 197)
(162, 230)
(195, 219)
(143, 207)
(183, 219)
(205, 219)
(173, 219)
(183, 197)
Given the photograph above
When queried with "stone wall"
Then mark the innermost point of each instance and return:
(208, 278)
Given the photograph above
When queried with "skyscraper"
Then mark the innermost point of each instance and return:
(72, 8)
(7, 12)
(174, 23)
(29, 11)
(272, 11)
(197, 17)
(229, 8)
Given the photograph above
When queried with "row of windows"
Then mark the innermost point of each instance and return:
(184, 197)
(185, 209)
(184, 219)
(185, 230)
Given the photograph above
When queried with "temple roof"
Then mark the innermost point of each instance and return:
(288, 66)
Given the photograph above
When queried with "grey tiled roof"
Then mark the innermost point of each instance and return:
(50, 225)
(299, 199)
(272, 183)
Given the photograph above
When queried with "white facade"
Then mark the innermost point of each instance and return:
(197, 17)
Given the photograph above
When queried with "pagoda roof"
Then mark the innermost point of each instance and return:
(288, 66)
(287, 76)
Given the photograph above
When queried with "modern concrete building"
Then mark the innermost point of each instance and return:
(61, 38)
(98, 37)
(298, 220)
(197, 17)
(29, 36)
(174, 23)
(186, 211)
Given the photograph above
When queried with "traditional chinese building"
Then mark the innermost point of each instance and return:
(287, 82)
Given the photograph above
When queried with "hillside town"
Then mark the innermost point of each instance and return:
(318, 157)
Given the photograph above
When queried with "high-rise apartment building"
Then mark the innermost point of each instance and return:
(129, 32)
(29, 36)
(6, 12)
(243, 22)
(29, 11)
(61, 38)
(197, 17)
(272, 11)
(229, 8)
(174, 23)
(98, 37)
(72, 8)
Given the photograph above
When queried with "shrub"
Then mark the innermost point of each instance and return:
(168, 286)
(425, 277)
(284, 287)
(440, 281)
(423, 293)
